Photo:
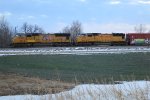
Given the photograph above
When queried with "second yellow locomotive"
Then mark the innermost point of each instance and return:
(98, 38)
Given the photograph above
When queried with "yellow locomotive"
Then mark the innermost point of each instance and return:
(60, 39)
(98, 38)
(41, 39)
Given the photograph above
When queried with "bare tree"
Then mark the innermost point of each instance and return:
(37, 29)
(24, 27)
(66, 29)
(28, 28)
(74, 29)
(140, 28)
(5, 33)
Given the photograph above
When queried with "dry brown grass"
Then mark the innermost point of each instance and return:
(12, 84)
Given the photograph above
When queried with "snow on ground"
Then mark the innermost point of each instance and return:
(73, 50)
(136, 90)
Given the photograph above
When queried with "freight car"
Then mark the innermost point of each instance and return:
(138, 38)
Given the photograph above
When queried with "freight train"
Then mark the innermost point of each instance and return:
(65, 39)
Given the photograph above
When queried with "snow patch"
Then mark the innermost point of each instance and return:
(73, 50)
(136, 90)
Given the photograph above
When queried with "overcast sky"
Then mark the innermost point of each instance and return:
(95, 15)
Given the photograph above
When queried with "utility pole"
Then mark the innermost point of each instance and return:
(16, 30)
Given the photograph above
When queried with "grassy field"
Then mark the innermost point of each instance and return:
(83, 67)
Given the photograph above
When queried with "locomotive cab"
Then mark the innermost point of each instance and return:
(19, 39)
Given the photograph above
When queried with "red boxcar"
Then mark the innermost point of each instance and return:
(138, 38)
